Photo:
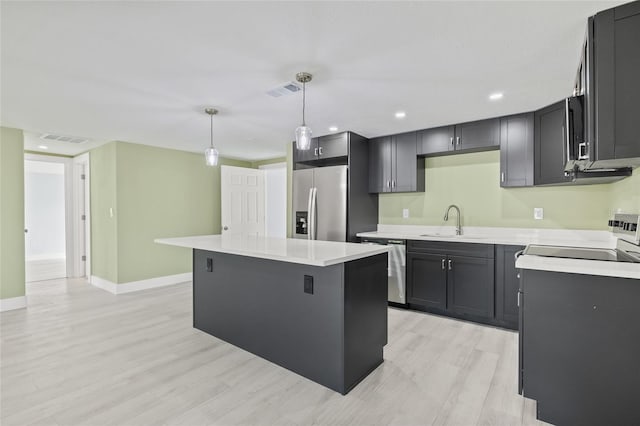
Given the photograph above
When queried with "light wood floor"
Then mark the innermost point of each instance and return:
(81, 356)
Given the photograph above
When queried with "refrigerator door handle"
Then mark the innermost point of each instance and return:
(313, 222)
(310, 215)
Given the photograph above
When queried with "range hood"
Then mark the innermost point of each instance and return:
(595, 176)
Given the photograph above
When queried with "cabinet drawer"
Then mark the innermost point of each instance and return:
(453, 248)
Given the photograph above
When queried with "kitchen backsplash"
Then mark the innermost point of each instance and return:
(471, 181)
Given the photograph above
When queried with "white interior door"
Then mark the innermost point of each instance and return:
(275, 182)
(243, 207)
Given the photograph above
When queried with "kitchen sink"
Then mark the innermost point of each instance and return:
(452, 236)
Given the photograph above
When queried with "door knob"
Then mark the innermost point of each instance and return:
(26, 230)
(226, 228)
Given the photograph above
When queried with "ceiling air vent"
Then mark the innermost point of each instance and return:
(61, 138)
(284, 89)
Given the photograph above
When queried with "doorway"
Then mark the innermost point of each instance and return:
(56, 200)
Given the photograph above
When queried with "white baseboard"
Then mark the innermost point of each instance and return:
(13, 303)
(131, 286)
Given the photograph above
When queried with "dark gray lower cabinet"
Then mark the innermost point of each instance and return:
(579, 348)
(427, 280)
(470, 286)
(507, 284)
(455, 279)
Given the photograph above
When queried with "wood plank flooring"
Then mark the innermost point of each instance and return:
(81, 356)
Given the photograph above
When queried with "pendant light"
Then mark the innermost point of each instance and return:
(303, 133)
(211, 154)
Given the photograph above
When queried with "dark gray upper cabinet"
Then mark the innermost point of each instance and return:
(473, 136)
(303, 156)
(516, 150)
(436, 141)
(394, 165)
(380, 164)
(330, 149)
(332, 146)
(478, 135)
(610, 70)
(550, 145)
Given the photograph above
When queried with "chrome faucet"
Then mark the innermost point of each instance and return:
(446, 217)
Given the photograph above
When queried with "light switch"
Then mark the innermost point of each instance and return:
(405, 213)
(538, 213)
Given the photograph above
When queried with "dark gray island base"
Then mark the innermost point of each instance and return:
(326, 323)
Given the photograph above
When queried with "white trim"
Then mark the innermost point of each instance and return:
(131, 286)
(13, 303)
(82, 160)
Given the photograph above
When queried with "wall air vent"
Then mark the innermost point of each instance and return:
(61, 138)
(284, 89)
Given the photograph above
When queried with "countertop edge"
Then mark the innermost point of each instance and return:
(580, 266)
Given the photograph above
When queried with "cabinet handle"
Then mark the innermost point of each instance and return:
(393, 183)
(451, 140)
(443, 264)
(518, 302)
(315, 152)
(320, 150)
(458, 140)
(388, 184)
(501, 176)
(450, 264)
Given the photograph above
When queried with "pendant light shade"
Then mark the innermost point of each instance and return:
(303, 133)
(211, 153)
(303, 137)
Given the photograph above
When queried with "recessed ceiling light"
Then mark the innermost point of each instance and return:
(43, 147)
(496, 96)
(333, 129)
(401, 114)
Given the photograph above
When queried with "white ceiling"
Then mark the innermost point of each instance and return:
(144, 71)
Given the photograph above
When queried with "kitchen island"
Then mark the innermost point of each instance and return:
(317, 308)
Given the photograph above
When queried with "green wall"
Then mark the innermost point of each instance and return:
(11, 213)
(154, 193)
(472, 182)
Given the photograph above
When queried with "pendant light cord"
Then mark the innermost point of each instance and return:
(304, 91)
(211, 127)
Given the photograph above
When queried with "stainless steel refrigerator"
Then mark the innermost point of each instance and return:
(320, 197)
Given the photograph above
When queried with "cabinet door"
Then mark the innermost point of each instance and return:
(427, 280)
(332, 146)
(302, 156)
(507, 284)
(626, 78)
(516, 150)
(436, 141)
(380, 165)
(478, 135)
(549, 145)
(470, 286)
(404, 163)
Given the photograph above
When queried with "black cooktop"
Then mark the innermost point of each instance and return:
(610, 255)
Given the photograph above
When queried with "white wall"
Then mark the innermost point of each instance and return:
(275, 200)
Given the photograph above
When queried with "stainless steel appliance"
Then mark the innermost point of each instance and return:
(576, 147)
(320, 203)
(626, 227)
(396, 269)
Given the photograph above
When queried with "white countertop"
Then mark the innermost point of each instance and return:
(316, 253)
(491, 235)
(580, 266)
(524, 237)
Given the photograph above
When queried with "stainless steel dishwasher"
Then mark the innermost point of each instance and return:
(396, 267)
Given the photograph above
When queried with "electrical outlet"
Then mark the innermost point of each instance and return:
(405, 213)
(308, 284)
(538, 213)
